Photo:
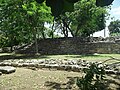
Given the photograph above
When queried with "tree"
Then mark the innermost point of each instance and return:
(21, 20)
(85, 20)
(60, 6)
(114, 28)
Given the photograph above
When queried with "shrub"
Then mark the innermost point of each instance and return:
(93, 79)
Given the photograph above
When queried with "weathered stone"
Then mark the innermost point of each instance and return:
(61, 64)
(100, 65)
(52, 62)
(40, 61)
(7, 64)
(84, 64)
(1, 63)
(54, 66)
(0, 73)
(20, 65)
(75, 68)
(61, 67)
(118, 73)
(110, 72)
(7, 69)
(47, 66)
(68, 68)
(21, 61)
(107, 67)
(15, 64)
(25, 64)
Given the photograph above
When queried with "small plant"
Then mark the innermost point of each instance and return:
(93, 79)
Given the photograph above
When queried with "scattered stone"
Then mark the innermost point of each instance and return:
(84, 64)
(0, 73)
(110, 72)
(20, 65)
(7, 69)
(25, 64)
(118, 73)
(54, 66)
(59, 64)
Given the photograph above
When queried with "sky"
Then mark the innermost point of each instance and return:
(115, 14)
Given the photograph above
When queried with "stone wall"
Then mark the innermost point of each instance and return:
(73, 46)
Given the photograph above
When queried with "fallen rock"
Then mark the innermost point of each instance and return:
(7, 69)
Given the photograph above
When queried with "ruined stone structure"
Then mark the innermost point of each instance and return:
(74, 46)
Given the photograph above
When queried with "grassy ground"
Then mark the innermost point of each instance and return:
(92, 57)
(27, 79)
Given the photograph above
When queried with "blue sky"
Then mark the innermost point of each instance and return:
(115, 9)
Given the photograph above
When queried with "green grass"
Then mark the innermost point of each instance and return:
(96, 57)
(92, 57)
(26, 79)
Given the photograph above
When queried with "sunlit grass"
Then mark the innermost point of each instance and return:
(91, 57)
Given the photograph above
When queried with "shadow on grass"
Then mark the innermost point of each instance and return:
(61, 86)
(23, 56)
(117, 85)
(115, 76)
(70, 85)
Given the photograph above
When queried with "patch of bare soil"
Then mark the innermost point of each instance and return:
(44, 79)
(27, 79)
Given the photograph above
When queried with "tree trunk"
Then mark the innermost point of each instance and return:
(36, 43)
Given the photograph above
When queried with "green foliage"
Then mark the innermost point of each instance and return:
(103, 2)
(94, 77)
(60, 6)
(114, 28)
(88, 18)
(21, 19)
(84, 20)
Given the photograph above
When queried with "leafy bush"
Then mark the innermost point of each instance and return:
(93, 79)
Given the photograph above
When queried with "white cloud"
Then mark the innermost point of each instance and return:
(115, 12)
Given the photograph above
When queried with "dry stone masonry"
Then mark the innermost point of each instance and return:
(74, 46)
(57, 64)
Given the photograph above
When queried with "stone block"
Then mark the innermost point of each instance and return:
(0, 73)
(110, 72)
(7, 69)
(118, 73)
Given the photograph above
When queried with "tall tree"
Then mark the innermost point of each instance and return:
(114, 28)
(21, 20)
(85, 20)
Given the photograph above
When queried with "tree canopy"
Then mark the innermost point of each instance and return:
(23, 21)
(60, 6)
(20, 20)
(86, 19)
(114, 28)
